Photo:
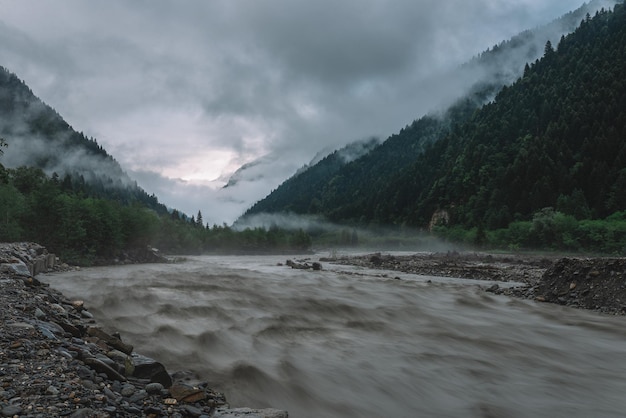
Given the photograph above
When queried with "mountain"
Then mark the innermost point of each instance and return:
(552, 139)
(314, 176)
(39, 137)
(425, 167)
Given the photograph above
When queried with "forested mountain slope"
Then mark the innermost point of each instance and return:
(350, 192)
(39, 137)
(555, 138)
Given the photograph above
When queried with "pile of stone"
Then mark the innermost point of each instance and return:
(591, 283)
(25, 258)
(56, 361)
(304, 265)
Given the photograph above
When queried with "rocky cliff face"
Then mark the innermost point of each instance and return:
(25, 259)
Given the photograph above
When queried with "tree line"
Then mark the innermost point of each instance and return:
(65, 216)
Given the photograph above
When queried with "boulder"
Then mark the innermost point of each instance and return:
(186, 393)
(101, 367)
(147, 368)
(250, 413)
(16, 267)
(110, 340)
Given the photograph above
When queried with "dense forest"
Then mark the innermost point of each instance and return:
(344, 192)
(542, 164)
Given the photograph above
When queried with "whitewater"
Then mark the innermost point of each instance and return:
(352, 342)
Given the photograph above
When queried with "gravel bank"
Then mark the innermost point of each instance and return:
(595, 283)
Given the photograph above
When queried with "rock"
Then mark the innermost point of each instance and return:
(84, 413)
(51, 390)
(185, 393)
(39, 314)
(192, 410)
(133, 410)
(47, 330)
(86, 314)
(16, 267)
(147, 368)
(58, 310)
(137, 397)
(110, 340)
(250, 413)
(303, 266)
(110, 394)
(128, 390)
(101, 367)
(154, 388)
(376, 259)
(493, 288)
(153, 410)
(67, 327)
(11, 410)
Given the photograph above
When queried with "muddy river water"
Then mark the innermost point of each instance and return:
(350, 342)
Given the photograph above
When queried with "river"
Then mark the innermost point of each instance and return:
(350, 342)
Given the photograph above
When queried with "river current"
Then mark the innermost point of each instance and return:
(351, 342)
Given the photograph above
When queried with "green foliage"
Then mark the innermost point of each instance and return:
(12, 206)
(549, 230)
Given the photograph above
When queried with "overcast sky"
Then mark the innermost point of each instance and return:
(182, 93)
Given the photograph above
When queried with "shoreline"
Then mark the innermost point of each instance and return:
(592, 283)
(55, 360)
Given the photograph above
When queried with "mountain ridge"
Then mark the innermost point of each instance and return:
(368, 198)
(37, 136)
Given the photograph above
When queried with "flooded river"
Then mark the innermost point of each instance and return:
(349, 342)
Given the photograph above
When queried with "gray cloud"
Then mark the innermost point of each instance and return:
(192, 90)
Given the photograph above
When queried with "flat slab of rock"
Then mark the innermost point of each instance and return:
(250, 413)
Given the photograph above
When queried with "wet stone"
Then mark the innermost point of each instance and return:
(11, 410)
(133, 410)
(138, 396)
(128, 390)
(84, 413)
(154, 388)
(192, 410)
(110, 394)
(39, 314)
(52, 390)
(153, 410)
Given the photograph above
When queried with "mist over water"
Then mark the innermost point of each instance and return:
(349, 342)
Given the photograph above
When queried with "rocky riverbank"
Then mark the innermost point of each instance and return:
(596, 283)
(56, 361)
